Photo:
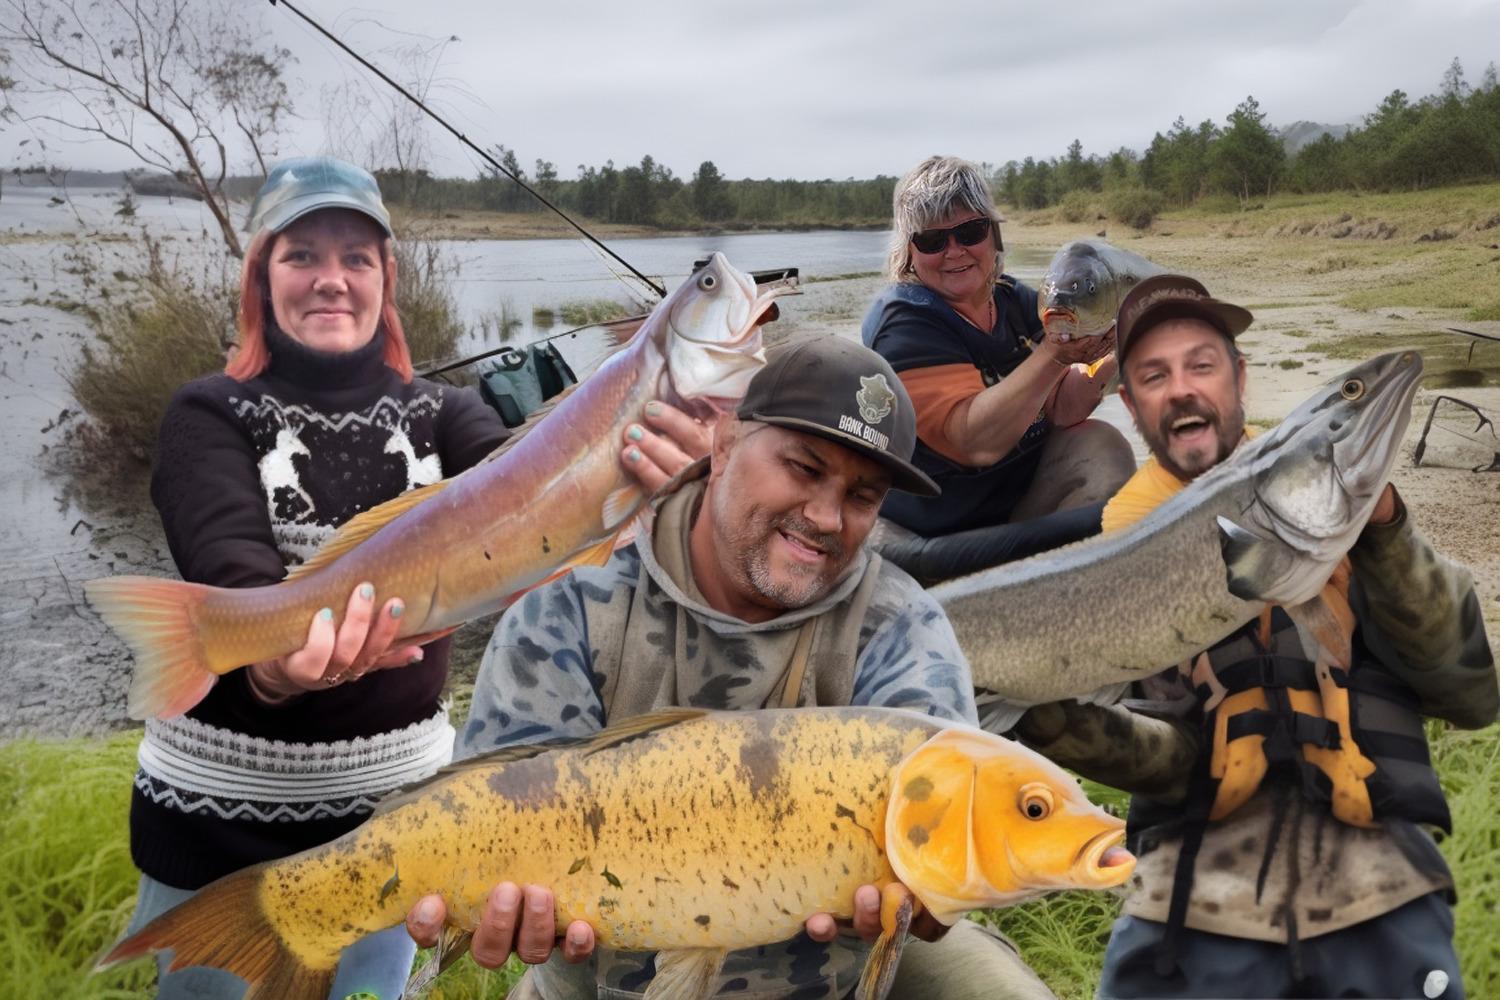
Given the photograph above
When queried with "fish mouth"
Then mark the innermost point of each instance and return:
(1103, 860)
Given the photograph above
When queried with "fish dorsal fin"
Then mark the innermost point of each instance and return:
(641, 725)
(362, 526)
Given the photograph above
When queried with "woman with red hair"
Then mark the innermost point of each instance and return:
(316, 418)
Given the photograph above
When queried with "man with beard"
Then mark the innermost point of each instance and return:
(754, 589)
(1280, 796)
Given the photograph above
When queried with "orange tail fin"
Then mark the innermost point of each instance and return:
(156, 618)
(223, 927)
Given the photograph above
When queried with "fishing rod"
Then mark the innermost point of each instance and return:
(496, 164)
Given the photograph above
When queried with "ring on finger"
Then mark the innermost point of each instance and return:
(333, 680)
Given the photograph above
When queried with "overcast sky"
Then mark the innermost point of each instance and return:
(809, 89)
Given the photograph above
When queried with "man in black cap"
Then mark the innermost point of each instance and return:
(1257, 877)
(753, 589)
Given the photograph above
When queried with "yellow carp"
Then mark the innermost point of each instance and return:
(687, 833)
(553, 498)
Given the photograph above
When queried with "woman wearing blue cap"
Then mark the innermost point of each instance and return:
(316, 417)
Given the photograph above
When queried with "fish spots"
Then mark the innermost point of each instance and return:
(702, 920)
(1222, 860)
(729, 883)
(759, 766)
(1320, 915)
(487, 556)
(546, 545)
(918, 789)
(391, 885)
(593, 818)
(611, 877)
(530, 783)
(844, 812)
(1210, 907)
(917, 835)
(578, 865)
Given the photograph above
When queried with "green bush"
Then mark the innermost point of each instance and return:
(1135, 206)
(424, 298)
(173, 327)
(582, 312)
(1078, 206)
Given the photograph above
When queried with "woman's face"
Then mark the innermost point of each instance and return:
(956, 272)
(327, 280)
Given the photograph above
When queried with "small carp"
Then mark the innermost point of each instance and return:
(687, 833)
(550, 499)
(1082, 289)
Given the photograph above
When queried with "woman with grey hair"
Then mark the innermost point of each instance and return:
(1002, 405)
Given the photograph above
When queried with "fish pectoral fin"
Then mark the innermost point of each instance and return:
(452, 945)
(362, 526)
(897, 905)
(686, 974)
(621, 505)
(1246, 555)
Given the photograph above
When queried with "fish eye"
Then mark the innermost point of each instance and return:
(1352, 389)
(1035, 801)
(708, 282)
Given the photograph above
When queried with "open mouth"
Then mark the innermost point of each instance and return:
(1104, 860)
(801, 548)
(1189, 429)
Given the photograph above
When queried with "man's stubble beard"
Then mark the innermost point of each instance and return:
(745, 540)
(1227, 436)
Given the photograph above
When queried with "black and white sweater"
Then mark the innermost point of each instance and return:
(251, 478)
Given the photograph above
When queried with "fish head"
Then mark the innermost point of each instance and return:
(978, 820)
(711, 337)
(1081, 292)
(1317, 476)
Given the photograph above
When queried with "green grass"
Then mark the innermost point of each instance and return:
(1288, 364)
(68, 883)
(582, 312)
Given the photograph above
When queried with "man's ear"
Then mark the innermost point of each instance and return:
(1239, 378)
(726, 432)
(1126, 398)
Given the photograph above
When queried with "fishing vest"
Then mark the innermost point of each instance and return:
(1351, 740)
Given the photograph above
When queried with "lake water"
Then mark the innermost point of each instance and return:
(61, 670)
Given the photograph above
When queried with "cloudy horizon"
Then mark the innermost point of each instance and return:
(789, 90)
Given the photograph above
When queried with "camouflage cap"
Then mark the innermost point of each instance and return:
(1173, 296)
(840, 390)
(294, 188)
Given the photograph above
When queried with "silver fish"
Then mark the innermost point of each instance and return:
(1081, 291)
(1267, 525)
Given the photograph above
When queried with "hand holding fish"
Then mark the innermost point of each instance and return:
(337, 653)
(524, 922)
(665, 443)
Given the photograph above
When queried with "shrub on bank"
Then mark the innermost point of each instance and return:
(1078, 206)
(1135, 206)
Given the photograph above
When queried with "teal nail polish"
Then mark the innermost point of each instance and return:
(367, 591)
(397, 610)
(653, 408)
(633, 455)
(635, 433)
(326, 614)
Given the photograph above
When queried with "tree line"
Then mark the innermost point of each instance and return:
(649, 194)
(1450, 137)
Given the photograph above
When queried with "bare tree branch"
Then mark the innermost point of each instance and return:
(181, 84)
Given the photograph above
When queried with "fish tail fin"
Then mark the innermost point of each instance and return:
(156, 618)
(224, 927)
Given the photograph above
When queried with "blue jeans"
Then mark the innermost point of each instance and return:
(378, 964)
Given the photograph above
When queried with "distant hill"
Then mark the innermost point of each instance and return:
(1299, 134)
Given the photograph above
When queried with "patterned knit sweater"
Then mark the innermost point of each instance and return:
(250, 479)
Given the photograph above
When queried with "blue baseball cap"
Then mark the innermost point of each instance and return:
(296, 187)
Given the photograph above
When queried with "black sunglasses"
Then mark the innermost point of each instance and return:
(968, 234)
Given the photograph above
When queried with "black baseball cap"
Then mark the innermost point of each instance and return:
(1174, 296)
(841, 390)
